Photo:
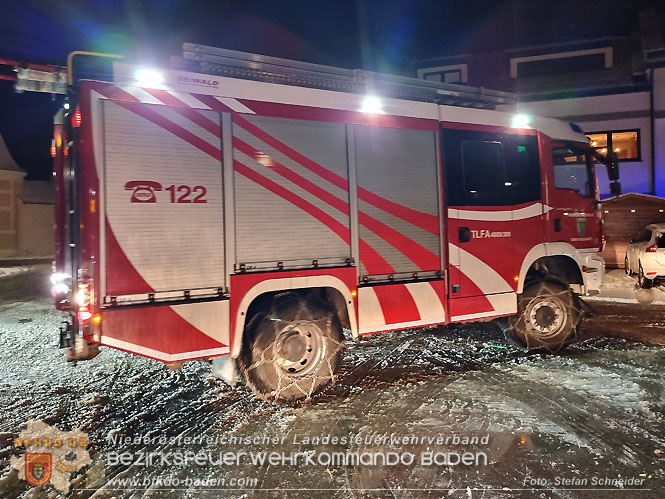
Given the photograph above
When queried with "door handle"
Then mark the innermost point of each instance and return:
(464, 234)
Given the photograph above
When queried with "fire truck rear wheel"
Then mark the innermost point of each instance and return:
(546, 317)
(293, 349)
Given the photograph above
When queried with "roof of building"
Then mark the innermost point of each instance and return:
(6, 160)
(38, 192)
(635, 196)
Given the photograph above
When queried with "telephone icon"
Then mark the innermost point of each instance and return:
(144, 190)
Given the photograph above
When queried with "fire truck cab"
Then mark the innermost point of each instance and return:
(267, 210)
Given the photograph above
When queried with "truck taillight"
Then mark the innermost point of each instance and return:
(84, 315)
(53, 150)
(84, 294)
(83, 302)
(76, 117)
(652, 249)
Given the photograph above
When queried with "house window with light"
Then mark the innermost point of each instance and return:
(625, 143)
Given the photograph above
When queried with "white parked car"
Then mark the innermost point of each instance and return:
(645, 255)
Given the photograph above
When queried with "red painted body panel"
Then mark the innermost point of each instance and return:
(121, 277)
(160, 328)
(472, 305)
(157, 327)
(569, 207)
(397, 303)
(458, 305)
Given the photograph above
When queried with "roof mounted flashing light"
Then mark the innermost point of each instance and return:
(521, 121)
(372, 105)
(149, 77)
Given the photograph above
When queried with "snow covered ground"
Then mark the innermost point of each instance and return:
(578, 424)
(620, 288)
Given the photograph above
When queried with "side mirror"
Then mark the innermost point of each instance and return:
(615, 188)
(613, 166)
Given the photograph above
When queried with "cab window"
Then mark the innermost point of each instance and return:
(573, 170)
(491, 169)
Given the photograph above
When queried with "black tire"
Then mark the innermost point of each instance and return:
(642, 280)
(626, 267)
(293, 349)
(547, 317)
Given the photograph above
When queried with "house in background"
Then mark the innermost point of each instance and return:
(11, 186)
(36, 220)
(612, 86)
(27, 211)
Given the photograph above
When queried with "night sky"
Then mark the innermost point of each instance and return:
(379, 35)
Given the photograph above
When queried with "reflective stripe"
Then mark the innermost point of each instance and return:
(156, 354)
(468, 317)
(530, 211)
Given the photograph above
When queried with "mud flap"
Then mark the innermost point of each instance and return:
(66, 335)
(82, 351)
(77, 347)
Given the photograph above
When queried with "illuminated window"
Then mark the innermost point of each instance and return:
(598, 141)
(625, 143)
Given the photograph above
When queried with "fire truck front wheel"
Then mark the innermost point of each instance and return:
(546, 316)
(292, 350)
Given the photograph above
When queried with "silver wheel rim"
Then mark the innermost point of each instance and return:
(299, 349)
(547, 317)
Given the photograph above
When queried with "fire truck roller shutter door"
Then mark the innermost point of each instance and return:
(399, 166)
(398, 215)
(163, 200)
(285, 212)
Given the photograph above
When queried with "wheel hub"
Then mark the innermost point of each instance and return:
(547, 317)
(299, 349)
(293, 347)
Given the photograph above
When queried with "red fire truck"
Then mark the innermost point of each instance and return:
(270, 210)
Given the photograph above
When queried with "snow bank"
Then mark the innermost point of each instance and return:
(7, 271)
